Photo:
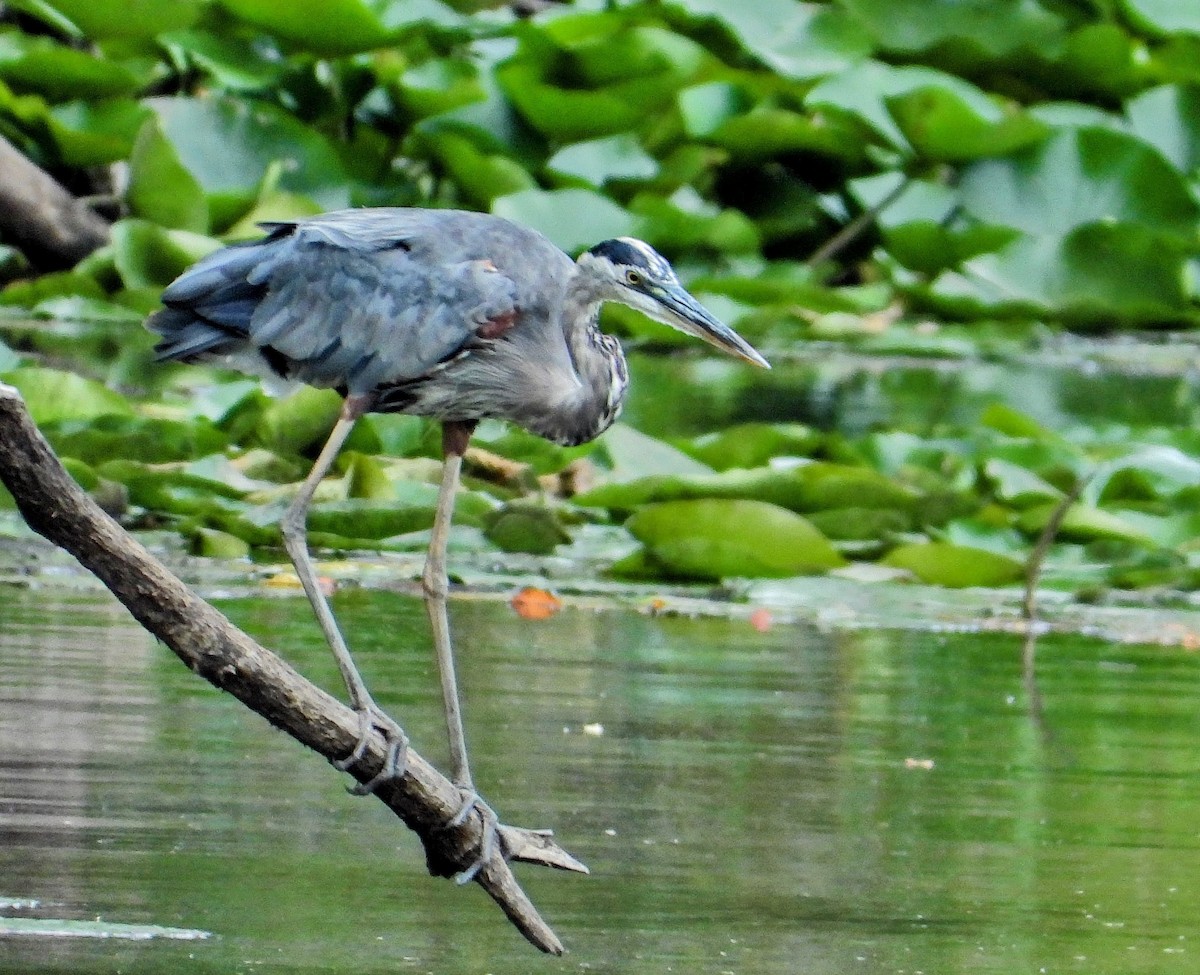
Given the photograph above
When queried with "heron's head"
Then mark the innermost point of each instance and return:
(635, 274)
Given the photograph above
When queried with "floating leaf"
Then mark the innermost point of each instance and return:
(956, 566)
(633, 455)
(572, 218)
(994, 28)
(1168, 118)
(56, 928)
(1095, 273)
(160, 188)
(152, 440)
(799, 41)
(439, 85)
(1018, 486)
(251, 136)
(484, 175)
(951, 126)
(327, 27)
(58, 72)
(129, 18)
(54, 397)
(705, 108)
(1083, 523)
(524, 527)
(96, 133)
(804, 488)
(860, 524)
(356, 519)
(33, 291)
(862, 91)
(233, 62)
(303, 420)
(149, 256)
(718, 538)
(366, 478)
(753, 444)
(214, 544)
(619, 157)
(1079, 177)
(1164, 16)
(1014, 423)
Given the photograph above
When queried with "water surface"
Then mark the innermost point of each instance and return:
(778, 802)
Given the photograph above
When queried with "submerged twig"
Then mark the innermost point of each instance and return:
(1033, 574)
(57, 508)
(1037, 557)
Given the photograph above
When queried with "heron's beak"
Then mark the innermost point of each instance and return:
(687, 314)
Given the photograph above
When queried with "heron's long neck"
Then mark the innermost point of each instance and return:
(599, 363)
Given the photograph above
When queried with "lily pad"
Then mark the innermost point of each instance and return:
(619, 157)
(572, 218)
(955, 566)
(160, 188)
(524, 527)
(1083, 523)
(808, 487)
(53, 396)
(327, 27)
(945, 125)
(713, 539)
(1080, 177)
(754, 444)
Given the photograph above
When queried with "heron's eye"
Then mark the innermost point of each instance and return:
(633, 278)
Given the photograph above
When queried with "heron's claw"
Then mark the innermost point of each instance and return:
(491, 824)
(395, 763)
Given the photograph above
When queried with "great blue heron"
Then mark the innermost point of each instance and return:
(441, 313)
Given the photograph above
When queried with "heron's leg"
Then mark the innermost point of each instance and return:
(435, 583)
(293, 527)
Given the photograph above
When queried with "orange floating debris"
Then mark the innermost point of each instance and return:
(761, 620)
(535, 604)
(289, 580)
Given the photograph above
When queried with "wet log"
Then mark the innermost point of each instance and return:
(58, 509)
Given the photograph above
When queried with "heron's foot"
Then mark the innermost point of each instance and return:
(491, 828)
(371, 718)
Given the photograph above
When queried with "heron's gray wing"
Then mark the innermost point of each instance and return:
(332, 308)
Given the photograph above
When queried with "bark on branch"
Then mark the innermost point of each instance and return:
(55, 507)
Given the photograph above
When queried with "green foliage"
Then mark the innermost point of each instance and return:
(1047, 154)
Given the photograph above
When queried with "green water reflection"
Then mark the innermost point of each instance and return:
(757, 802)
(852, 393)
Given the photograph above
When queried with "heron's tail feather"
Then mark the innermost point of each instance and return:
(186, 337)
(210, 306)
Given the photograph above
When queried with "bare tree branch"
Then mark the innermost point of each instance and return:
(55, 507)
(856, 227)
(39, 216)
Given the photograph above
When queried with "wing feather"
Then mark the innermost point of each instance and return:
(337, 301)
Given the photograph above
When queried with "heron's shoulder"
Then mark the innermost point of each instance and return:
(452, 234)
